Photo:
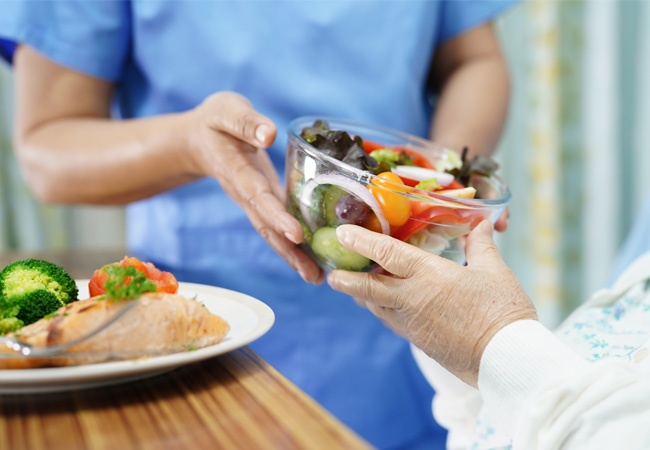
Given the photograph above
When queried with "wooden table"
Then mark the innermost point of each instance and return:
(233, 401)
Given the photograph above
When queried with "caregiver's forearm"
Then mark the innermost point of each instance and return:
(101, 161)
(473, 106)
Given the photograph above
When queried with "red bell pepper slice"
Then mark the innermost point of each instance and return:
(418, 222)
(454, 185)
(473, 218)
(408, 181)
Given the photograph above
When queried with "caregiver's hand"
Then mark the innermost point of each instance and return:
(229, 142)
(73, 152)
(449, 311)
(501, 223)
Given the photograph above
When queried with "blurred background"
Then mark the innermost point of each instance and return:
(574, 152)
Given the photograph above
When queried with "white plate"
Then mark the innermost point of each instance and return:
(248, 318)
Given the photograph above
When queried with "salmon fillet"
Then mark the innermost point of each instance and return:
(160, 323)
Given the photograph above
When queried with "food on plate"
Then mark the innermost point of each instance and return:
(30, 289)
(163, 281)
(160, 323)
(340, 172)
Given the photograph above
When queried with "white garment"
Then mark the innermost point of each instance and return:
(585, 387)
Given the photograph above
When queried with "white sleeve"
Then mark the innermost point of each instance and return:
(544, 395)
(456, 404)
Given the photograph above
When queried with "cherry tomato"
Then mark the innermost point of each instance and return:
(396, 207)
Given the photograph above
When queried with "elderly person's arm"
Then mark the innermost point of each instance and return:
(456, 405)
(478, 323)
(538, 391)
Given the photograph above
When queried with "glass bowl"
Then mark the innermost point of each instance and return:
(325, 191)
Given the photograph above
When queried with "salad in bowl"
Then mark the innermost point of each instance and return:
(340, 171)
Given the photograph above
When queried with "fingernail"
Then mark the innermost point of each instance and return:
(291, 237)
(485, 225)
(342, 234)
(262, 132)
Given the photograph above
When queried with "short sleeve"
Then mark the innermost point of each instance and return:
(459, 16)
(92, 37)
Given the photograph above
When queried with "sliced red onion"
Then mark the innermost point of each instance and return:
(353, 187)
(422, 173)
(304, 203)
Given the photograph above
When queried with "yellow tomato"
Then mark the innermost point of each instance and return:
(396, 207)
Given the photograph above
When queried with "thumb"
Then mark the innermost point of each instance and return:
(480, 249)
(234, 114)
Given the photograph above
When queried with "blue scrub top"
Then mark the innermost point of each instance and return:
(355, 59)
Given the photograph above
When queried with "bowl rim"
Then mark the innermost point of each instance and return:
(366, 177)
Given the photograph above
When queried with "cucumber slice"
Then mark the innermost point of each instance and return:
(329, 198)
(331, 252)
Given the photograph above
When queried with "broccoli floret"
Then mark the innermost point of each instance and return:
(10, 324)
(32, 288)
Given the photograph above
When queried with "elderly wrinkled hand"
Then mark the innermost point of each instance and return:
(228, 144)
(449, 311)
